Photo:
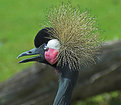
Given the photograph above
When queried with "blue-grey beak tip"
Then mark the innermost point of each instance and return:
(20, 62)
(19, 56)
(23, 54)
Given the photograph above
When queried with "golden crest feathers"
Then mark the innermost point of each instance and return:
(77, 34)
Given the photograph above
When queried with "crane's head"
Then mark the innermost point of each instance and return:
(72, 40)
(46, 49)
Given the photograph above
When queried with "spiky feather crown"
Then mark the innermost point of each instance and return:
(77, 34)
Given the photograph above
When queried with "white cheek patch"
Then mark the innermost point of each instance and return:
(54, 44)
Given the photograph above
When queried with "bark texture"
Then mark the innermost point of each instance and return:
(38, 85)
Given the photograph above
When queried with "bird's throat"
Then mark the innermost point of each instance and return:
(67, 81)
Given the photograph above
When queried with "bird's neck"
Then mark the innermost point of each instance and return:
(67, 81)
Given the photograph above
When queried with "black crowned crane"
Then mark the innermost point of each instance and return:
(70, 42)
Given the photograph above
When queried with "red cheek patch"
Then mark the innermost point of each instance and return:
(51, 55)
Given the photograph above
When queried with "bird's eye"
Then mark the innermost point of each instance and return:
(45, 47)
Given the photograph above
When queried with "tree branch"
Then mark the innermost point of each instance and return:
(37, 85)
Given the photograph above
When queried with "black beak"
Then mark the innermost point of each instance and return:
(40, 51)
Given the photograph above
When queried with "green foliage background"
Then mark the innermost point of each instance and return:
(20, 20)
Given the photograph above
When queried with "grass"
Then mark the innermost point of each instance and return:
(114, 98)
(21, 20)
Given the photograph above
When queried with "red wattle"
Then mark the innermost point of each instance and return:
(51, 55)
